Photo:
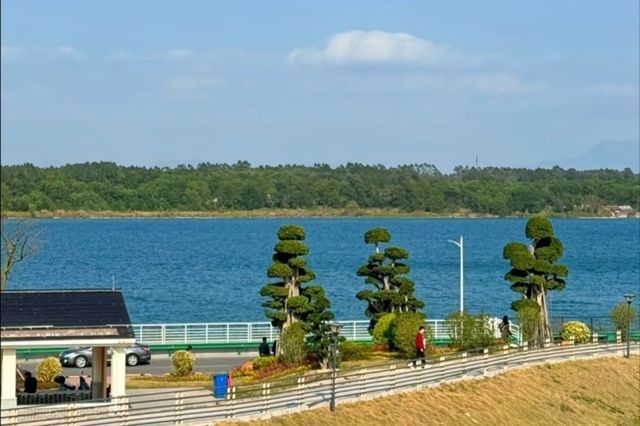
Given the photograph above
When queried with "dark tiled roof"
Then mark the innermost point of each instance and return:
(65, 309)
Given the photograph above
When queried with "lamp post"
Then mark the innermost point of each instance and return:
(335, 331)
(461, 245)
(629, 299)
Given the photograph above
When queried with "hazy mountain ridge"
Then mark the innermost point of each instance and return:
(617, 155)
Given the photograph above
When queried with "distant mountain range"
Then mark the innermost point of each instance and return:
(605, 155)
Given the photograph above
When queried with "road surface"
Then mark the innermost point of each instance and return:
(161, 364)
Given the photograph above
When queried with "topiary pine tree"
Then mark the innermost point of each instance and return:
(534, 271)
(386, 271)
(289, 300)
(315, 322)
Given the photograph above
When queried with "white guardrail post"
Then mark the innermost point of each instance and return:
(363, 382)
(300, 391)
(179, 404)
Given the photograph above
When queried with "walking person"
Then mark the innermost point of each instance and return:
(421, 344)
(505, 329)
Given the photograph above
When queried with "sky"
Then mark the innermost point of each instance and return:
(161, 83)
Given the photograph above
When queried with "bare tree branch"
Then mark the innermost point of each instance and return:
(20, 240)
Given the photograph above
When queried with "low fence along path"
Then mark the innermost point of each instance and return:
(199, 407)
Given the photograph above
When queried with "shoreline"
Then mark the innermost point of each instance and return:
(280, 214)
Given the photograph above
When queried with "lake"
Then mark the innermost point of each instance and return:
(211, 270)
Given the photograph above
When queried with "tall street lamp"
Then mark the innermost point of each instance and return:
(335, 331)
(629, 299)
(461, 245)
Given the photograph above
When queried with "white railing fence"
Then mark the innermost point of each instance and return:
(252, 332)
(199, 407)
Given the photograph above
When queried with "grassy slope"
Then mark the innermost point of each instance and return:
(594, 392)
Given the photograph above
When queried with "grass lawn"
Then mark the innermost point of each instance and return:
(593, 392)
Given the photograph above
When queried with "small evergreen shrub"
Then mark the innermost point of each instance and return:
(273, 369)
(352, 351)
(470, 331)
(292, 342)
(48, 369)
(576, 329)
(619, 317)
(381, 331)
(528, 316)
(403, 330)
(264, 361)
(183, 362)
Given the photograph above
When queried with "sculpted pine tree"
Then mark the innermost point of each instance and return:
(534, 271)
(386, 271)
(315, 322)
(289, 300)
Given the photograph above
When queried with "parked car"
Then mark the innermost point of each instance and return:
(81, 357)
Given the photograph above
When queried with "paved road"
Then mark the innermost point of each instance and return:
(160, 364)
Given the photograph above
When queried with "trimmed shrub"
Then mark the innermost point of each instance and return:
(264, 361)
(528, 316)
(352, 351)
(619, 317)
(48, 369)
(273, 370)
(576, 329)
(183, 362)
(470, 331)
(381, 334)
(292, 342)
(403, 330)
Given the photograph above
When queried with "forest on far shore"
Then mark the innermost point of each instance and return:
(415, 188)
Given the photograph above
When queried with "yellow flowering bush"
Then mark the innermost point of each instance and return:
(576, 329)
(183, 362)
(48, 369)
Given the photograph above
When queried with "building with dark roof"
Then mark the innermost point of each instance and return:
(66, 318)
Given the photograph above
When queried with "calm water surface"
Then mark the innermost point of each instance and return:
(211, 270)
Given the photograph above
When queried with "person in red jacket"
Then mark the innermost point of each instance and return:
(421, 345)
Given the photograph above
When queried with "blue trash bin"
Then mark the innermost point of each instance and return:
(220, 384)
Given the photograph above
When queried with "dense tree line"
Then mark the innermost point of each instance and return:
(223, 187)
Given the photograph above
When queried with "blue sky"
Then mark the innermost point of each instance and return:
(377, 82)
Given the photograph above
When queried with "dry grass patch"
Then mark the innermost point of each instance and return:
(594, 392)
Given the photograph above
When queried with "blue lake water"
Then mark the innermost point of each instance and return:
(211, 270)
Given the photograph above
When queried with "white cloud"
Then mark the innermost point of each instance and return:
(179, 55)
(120, 56)
(498, 84)
(373, 47)
(614, 89)
(19, 54)
(191, 83)
(11, 53)
(68, 51)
